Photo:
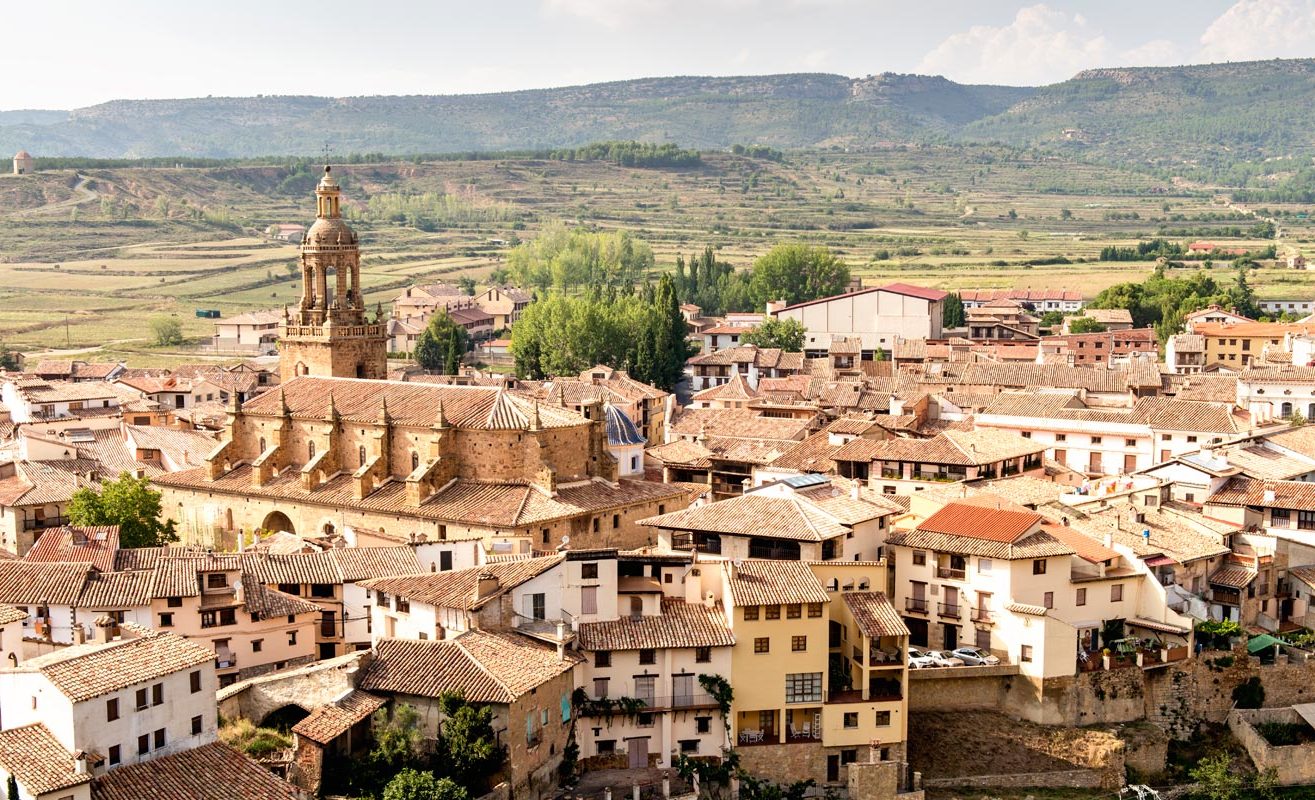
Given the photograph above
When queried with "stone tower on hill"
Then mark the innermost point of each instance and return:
(328, 334)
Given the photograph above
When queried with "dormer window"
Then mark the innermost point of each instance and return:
(216, 580)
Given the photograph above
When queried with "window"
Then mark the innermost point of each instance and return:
(159, 738)
(616, 521)
(415, 461)
(1280, 518)
(814, 610)
(1061, 437)
(195, 678)
(762, 644)
(803, 687)
(703, 724)
(1048, 600)
(324, 591)
(603, 658)
(360, 456)
(1116, 593)
(166, 619)
(197, 723)
(1026, 653)
(1082, 597)
(216, 580)
(116, 755)
(647, 656)
(1038, 566)
(919, 558)
(644, 719)
(111, 709)
(751, 612)
(851, 719)
(793, 611)
(883, 719)
(689, 745)
(1096, 440)
(141, 699)
(1191, 439)
(1026, 434)
(589, 600)
(607, 747)
(773, 612)
(702, 655)
(292, 638)
(143, 744)
(600, 688)
(1306, 520)
(983, 565)
(157, 694)
(589, 571)
(848, 756)
(595, 525)
(798, 644)
(174, 602)
(1164, 437)
(257, 645)
(1129, 442)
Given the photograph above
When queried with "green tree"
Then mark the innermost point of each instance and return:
(797, 273)
(787, 334)
(411, 784)
(468, 748)
(952, 313)
(438, 342)
(467, 284)
(166, 331)
(127, 502)
(1217, 779)
(670, 346)
(7, 359)
(1085, 325)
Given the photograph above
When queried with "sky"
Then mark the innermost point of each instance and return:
(78, 53)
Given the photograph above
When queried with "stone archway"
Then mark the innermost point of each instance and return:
(284, 717)
(278, 521)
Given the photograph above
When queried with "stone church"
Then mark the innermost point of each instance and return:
(338, 447)
(329, 334)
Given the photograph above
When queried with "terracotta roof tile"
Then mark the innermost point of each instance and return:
(210, 772)
(754, 514)
(486, 666)
(83, 672)
(38, 761)
(759, 583)
(874, 614)
(457, 589)
(1244, 491)
(680, 624)
(328, 722)
(10, 614)
(25, 583)
(97, 544)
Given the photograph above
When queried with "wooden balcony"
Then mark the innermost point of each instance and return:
(950, 610)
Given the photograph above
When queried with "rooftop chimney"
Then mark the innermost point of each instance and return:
(488, 583)
(104, 629)
(80, 766)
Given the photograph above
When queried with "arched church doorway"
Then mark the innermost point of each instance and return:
(278, 521)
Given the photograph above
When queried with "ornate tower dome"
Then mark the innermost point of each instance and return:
(328, 333)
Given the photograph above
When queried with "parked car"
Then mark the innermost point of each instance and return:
(976, 657)
(919, 659)
(944, 658)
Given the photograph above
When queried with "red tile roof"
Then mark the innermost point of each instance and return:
(38, 762)
(211, 772)
(680, 624)
(974, 521)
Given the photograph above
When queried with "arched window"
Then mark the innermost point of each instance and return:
(415, 461)
(262, 444)
(360, 452)
(1287, 410)
(310, 451)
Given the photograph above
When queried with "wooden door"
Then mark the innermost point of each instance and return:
(638, 750)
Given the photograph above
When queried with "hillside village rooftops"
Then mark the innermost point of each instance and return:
(1136, 374)
(760, 583)
(1178, 532)
(97, 544)
(37, 760)
(485, 666)
(86, 671)
(1287, 373)
(329, 721)
(679, 624)
(737, 388)
(1108, 316)
(736, 423)
(460, 588)
(1270, 330)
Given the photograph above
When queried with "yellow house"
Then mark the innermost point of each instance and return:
(817, 665)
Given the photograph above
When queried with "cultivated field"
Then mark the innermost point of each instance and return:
(87, 258)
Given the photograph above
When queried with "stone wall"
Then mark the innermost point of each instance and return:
(307, 687)
(785, 763)
(1068, 779)
(1293, 764)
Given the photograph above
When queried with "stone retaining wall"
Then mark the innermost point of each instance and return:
(1067, 779)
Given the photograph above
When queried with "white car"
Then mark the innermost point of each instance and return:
(976, 657)
(919, 659)
(944, 658)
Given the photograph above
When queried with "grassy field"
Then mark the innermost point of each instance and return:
(87, 259)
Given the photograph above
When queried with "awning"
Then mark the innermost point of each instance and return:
(1158, 561)
(1159, 627)
(1263, 642)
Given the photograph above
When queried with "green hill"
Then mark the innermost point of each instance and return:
(1210, 114)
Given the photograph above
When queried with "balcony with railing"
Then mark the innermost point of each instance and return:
(1231, 597)
(551, 630)
(915, 604)
(950, 610)
(44, 523)
(951, 573)
(985, 615)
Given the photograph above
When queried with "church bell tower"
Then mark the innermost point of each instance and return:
(328, 334)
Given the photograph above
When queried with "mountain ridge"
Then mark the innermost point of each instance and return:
(1211, 112)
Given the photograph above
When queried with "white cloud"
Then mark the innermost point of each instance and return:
(1260, 29)
(1040, 45)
